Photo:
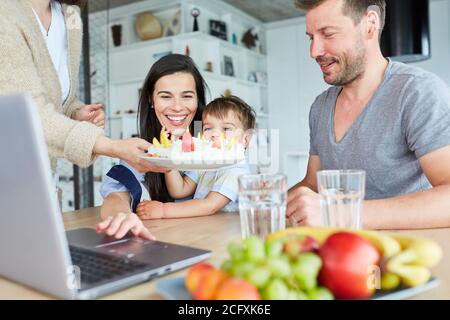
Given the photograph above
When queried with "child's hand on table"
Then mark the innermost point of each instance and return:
(147, 210)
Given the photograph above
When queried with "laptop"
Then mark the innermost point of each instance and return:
(36, 251)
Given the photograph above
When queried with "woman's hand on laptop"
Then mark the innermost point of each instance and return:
(118, 226)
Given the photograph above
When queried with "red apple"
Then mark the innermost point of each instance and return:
(348, 261)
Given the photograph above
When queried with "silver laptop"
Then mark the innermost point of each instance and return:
(34, 248)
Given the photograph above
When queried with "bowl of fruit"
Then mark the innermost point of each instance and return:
(314, 264)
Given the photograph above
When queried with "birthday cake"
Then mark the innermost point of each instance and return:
(191, 149)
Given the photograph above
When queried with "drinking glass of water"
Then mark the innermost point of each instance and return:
(341, 197)
(262, 204)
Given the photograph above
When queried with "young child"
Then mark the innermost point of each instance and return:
(228, 117)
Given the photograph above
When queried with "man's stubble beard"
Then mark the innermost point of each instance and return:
(352, 67)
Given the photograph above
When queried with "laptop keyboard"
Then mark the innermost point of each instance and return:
(97, 267)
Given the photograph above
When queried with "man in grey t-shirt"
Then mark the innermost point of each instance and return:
(384, 117)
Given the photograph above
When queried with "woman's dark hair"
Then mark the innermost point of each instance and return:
(80, 3)
(149, 125)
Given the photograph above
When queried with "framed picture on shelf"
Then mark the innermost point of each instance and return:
(218, 29)
(228, 67)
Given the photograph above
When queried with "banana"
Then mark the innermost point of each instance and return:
(411, 275)
(319, 234)
(387, 245)
(413, 262)
(389, 281)
(417, 251)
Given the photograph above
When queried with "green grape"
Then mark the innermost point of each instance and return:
(227, 266)
(305, 280)
(276, 290)
(259, 276)
(280, 267)
(274, 248)
(254, 248)
(301, 295)
(241, 268)
(292, 295)
(291, 282)
(306, 269)
(320, 293)
(292, 248)
(236, 251)
(312, 259)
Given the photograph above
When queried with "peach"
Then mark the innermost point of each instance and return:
(209, 284)
(237, 289)
(195, 274)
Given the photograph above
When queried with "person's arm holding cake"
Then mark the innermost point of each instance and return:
(225, 125)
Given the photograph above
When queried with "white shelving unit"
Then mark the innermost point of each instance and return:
(130, 62)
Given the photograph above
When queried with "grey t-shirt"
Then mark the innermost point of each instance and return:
(407, 118)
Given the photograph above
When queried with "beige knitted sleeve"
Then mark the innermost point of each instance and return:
(73, 107)
(65, 138)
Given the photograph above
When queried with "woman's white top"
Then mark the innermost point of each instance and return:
(57, 44)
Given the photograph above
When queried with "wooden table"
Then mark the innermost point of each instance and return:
(212, 233)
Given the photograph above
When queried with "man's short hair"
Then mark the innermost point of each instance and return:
(354, 9)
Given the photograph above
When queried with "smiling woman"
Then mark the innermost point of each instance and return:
(172, 97)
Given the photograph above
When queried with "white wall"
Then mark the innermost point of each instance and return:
(295, 81)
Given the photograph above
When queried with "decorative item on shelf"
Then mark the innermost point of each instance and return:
(228, 68)
(227, 93)
(250, 39)
(148, 26)
(218, 29)
(187, 51)
(130, 111)
(209, 66)
(118, 112)
(173, 25)
(261, 77)
(116, 31)
(234, 38)
(252, 77)
(195, 13)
